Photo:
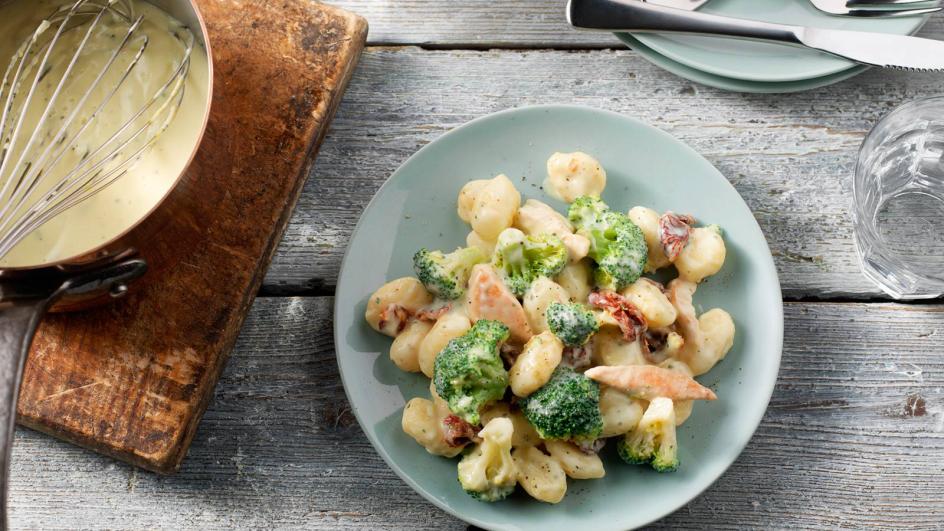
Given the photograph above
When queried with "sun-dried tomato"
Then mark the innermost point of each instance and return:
(631, 321)
(674, 230)
(457, 432)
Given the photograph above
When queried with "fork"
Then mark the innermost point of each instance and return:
(878, 8)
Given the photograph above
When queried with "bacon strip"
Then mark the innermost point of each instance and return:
(457, 432)
(631, 321)
(674, 231)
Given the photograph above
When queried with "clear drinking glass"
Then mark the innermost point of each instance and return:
(898, 193)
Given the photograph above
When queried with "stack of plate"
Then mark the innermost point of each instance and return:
(747, 66)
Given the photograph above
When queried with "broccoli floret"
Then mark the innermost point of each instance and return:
(617, 245)
(523, 259)
(572, 322)
(488, 473)
(446, 275)
(469, 373)
(566, 407)
(653, 441)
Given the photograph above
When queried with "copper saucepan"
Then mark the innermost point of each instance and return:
(91, 278)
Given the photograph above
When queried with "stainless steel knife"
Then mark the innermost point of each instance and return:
(687, 5)
(876, 49)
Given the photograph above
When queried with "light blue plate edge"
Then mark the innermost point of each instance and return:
(730, 83)
(651, 40)
(769, 269)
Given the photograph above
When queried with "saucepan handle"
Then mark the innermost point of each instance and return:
(18, 321)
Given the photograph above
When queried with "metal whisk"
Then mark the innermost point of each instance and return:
(71, 124)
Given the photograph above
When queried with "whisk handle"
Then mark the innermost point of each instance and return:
(18, 321)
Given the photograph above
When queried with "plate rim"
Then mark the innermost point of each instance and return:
(672, 507)
(733, 84)
(681, 58)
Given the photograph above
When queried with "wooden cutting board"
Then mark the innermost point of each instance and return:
(133, 379)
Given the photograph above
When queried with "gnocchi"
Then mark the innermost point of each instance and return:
(540, 475)
(648, 296)
(405, 350)
(390, 307)
(621, 412)
(542, 294)
(647, 219)
(571, 175)
(577, 279)
(535, 364)
(420, 421)
(703, 256)
(576, 464)
(494, 205)
(507, 374)
(535, 217)
(447, 328)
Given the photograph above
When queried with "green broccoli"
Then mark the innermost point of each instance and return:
(616, 244)
(445, 275)
(488, 472)
(572, 322)
(523, 259)
(653, 441)
(469, 373)
(566, 407)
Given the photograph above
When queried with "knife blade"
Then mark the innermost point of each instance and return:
(875, 49)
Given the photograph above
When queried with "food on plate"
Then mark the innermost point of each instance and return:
(544, 339)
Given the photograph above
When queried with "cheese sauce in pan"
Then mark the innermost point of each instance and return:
(125, 202)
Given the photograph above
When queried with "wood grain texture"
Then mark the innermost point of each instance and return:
(854, 437)
(790, 156)
(488, 24)
(132, 380)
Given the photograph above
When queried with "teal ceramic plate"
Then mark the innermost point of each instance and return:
(758, 61)
(733, 84)
(416, 207)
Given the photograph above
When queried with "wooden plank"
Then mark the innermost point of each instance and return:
(488, 24)
(854, 438)
(790, 156)
(137, 388)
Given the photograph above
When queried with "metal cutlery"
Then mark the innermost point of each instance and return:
(877, 8)
(876, 49)
(688, 5)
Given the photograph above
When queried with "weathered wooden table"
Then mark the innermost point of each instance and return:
(854, 435)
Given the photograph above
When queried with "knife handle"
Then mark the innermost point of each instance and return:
(640, 17)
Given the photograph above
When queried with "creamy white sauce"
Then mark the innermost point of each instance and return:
(125, 202)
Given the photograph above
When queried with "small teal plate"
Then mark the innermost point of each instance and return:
(416, 207)
(733, 84)
(760, 61)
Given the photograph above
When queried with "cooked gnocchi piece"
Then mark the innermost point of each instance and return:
(703, 256)
(535, 364)
(535, 217)
(621, 412)
(571, 175)
(540, 475)
(648, 296)
(447, 328)
(575, 462)
(577, 279)
(542, 294)
(540, 345)
(647, 219)
(490, 206)
(405, 350)
(390, 307)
